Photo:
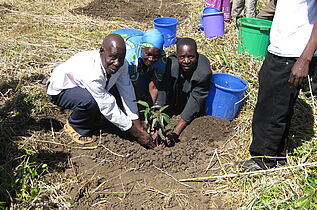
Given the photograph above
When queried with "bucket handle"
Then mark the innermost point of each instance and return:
(240, 34)
(238, 102)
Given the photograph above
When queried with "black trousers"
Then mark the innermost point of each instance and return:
(273, 112)
(86, 118)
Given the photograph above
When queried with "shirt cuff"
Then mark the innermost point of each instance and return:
(127, 127)
(134, 116)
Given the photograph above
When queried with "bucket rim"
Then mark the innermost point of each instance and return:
(262, 27)
(211, 8)
(129, 29)
(210, 14)
(175, 21)
(230, 89)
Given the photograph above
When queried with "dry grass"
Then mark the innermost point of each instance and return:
(37, 35)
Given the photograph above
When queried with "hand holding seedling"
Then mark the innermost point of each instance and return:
(146, 140)
(142, 137)
(171, 139)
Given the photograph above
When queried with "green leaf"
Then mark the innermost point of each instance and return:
(155, 107)
(34, 191)
(160, 133)
(166, 118)
(146, 113)
(155, 115)
(146, 121)
(143, 103)
(153, 123)
(162, 121)
(163, 108)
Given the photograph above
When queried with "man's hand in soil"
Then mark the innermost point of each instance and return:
(142, 137)
(171, 139)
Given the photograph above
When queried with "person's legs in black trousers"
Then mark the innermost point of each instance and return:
(273, 111)
(86, 115)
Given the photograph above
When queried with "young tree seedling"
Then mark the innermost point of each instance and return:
(155, 119)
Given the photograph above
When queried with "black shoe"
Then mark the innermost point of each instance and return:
(249, 165)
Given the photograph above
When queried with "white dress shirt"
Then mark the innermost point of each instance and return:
(86, 70)
(292, 27)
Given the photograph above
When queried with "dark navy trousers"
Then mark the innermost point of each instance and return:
(86, 115)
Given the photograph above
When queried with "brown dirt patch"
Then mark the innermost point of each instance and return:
(133, 177)
(134, 10)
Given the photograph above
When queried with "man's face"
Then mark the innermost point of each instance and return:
(112, 57)
(150, 55)
(187, 57)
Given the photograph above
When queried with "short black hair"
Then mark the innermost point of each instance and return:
(186, 41)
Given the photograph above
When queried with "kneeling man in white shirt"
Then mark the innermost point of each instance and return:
(82, 84)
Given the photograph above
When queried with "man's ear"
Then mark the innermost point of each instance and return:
(101, 50)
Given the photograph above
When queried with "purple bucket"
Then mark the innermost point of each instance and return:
(213, 22)
(221, 5)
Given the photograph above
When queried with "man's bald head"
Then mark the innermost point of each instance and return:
(113, 40)
(112, 53)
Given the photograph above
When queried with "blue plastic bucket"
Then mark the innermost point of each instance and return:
(131, 36)
(167, 26)
(128, 32)
(225, 95)
(133, 42)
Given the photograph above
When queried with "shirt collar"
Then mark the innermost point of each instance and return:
(100, 63)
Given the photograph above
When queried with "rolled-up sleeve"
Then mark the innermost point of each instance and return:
(106, 102)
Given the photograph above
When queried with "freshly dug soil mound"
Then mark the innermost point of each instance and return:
(207, 128)
(126, 175)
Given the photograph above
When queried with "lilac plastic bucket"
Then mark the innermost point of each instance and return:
(222, 5)
(213, 22)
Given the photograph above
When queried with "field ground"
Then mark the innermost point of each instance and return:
(40, 167)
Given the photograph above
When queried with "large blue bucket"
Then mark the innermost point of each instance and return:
(131, 36)
(128, 32)
(225, 95)
(167, 26)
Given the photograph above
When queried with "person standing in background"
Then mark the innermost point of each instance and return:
(222, 5)
(268, 12)
(290, 59)
(249, 6)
